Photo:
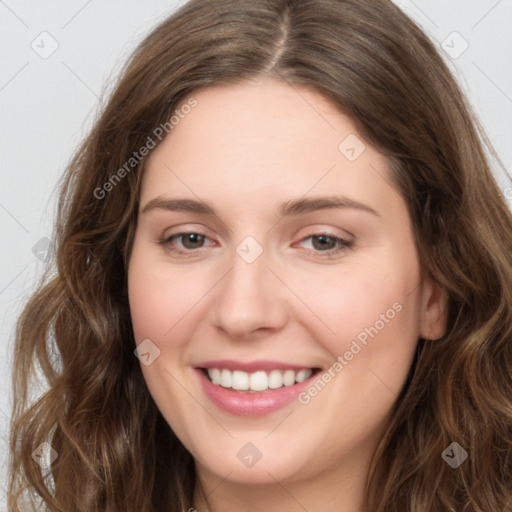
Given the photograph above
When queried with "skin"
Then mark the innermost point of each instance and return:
(245, 149)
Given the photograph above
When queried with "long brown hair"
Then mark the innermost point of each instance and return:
(115, 451)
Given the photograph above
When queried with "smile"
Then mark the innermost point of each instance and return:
(253, 389)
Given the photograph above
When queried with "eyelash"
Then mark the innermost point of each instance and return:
(344, 245)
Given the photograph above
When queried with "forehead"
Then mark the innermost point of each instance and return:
(262, 118)
(265, 139)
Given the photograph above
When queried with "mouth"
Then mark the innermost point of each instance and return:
(253, 389)
(259, 380)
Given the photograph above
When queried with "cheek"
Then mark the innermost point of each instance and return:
(148, 308)
(369, 314)
(160, 297)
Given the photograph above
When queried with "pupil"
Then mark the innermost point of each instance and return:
(193, 240)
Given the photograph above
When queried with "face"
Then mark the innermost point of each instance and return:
(274, 285)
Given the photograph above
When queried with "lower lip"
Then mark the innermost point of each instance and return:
(251, 404)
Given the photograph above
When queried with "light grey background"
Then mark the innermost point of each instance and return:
(48, 102)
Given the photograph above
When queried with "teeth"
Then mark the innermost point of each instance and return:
(240, 380)
(302, 375)
(215, 375)
(257, 381)
(275, 379)
(225, 378)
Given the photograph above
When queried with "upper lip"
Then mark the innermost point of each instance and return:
(252, 366)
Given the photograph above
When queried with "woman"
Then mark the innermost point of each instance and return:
(283, 280)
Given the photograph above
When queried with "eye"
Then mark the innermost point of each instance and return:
(186, 242)
(326, 244)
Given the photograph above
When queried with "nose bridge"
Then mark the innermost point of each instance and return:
(249, 297)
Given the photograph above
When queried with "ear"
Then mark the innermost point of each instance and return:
(434, 310)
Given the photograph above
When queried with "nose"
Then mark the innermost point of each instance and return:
(250, 300)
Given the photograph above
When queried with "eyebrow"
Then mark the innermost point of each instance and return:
(295, 207)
